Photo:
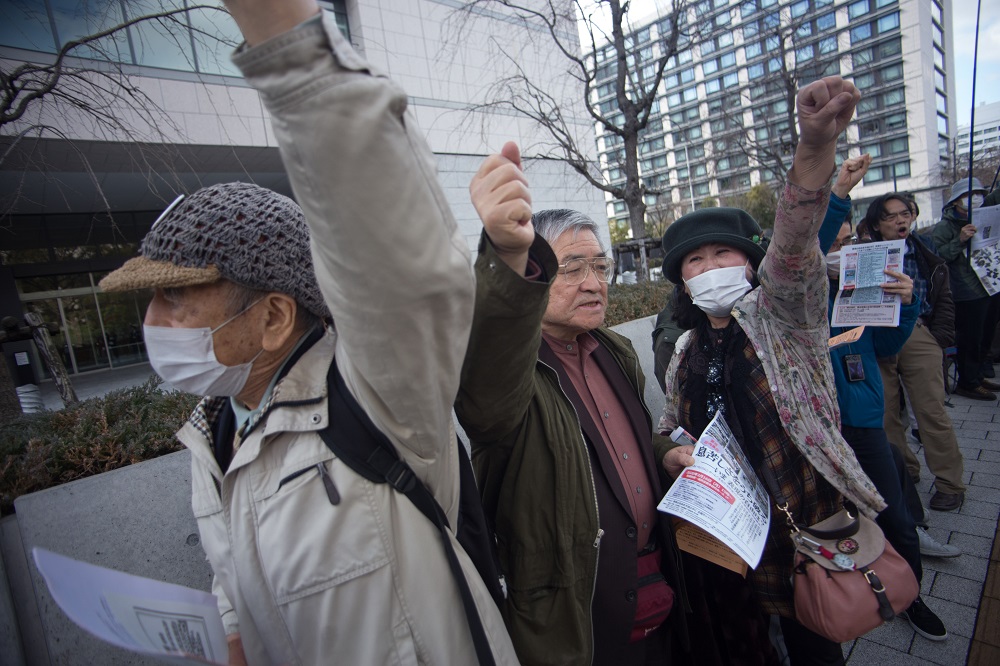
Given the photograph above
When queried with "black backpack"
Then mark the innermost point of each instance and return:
(353, 437)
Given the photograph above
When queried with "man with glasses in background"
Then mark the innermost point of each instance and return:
(917, 366)
(562, 441)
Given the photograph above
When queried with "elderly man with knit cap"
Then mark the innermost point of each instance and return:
(314, 563)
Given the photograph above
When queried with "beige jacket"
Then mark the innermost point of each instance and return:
(364, 581)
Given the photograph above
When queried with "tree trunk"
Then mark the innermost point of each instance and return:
(51, 357)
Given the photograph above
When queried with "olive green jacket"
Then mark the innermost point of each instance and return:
(533, 466)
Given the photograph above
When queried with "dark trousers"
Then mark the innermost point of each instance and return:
(910, 496)
(807, 648)
(970, 324)
(874, 452)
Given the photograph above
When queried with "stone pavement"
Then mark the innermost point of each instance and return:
(954, 588)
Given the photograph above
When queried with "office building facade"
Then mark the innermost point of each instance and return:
(77, 200)
(723, 121)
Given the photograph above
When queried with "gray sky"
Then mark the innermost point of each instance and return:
(963, 39)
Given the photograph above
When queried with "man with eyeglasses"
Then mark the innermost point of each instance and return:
(561, 440)
(917, 366)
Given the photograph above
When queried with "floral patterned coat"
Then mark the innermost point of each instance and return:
(785, 319)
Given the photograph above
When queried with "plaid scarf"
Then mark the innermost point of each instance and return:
(722, 371)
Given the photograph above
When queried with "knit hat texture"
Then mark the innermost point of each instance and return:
(730, 226)
(246, 234)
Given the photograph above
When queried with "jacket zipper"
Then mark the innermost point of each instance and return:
(593, 491)
(328, 485)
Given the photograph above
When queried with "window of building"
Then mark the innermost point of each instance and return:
(897, 146)
(803, 54)
(938, 58)
(895, 122)
(862, 57)
(750, 30)
(707, 47)
(867, 105)
(863, 81)
(674, 99)
(684, 56)
(690, 94)
(752, 50)
(884, 3)
(826, 21)
(893, 97)
(797, 9)
(942, 125)
(755, 71)
(727, 60)
(701, 190)
(876, 174)
(730, 80)
(856, 9)
(725, 39)
(710, 66)
(722, 18)
(804, 30)
(890, 48)
(902, 169)
(942, 102)
(748, 8)
(888, 22)
(828, 45)
(774, 65)
(861, 32)
(771, 21)
(682, 174)
(713, 86)
(670, 81)
(892, 72)
(936, 12)
(938, 35)
(696, 152)
(768, 3)
(873, 149)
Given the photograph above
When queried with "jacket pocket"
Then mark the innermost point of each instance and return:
(317, 527)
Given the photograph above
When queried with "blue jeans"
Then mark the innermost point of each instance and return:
(874, 452)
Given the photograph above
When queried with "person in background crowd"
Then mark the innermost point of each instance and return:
(562, 441)
(860, 396)
(952, 236)
(714, 256)
(312, 562)
(917, 365)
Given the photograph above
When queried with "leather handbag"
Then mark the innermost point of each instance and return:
(847, 579)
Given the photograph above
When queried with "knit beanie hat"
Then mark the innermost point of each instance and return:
(729, 226)
(243, 233)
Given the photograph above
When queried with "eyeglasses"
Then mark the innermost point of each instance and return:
(575, 271)
(850, 240)
(899, 215)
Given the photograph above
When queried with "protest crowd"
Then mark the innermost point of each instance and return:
(338, 508)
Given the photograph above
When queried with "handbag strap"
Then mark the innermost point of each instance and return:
(781, 503)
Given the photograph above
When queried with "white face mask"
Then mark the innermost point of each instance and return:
(715, 292)
(833, 263)
(185, 359)
(977, 200)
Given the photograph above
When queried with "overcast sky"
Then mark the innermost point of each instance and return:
(963, 39)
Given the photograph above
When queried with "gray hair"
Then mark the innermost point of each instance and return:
(241, 298)
(554, 222)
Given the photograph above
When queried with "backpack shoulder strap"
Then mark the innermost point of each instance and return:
(352, 436)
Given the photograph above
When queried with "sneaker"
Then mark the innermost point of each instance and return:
(931, 548)
(989, 386)
(924, 621)
(946, 501)
(978, 393)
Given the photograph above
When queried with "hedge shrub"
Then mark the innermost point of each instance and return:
(125, 426)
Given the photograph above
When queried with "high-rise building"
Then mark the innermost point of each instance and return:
(79, 194)
(725, 115)
(985, 136)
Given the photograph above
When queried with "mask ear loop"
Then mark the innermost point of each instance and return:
(238, 314)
